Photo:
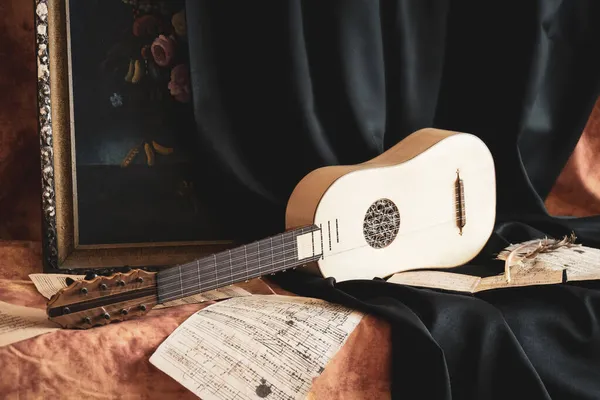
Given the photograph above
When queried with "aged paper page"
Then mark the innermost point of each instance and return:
(437, 280)
(473, 284)
(19, 323)
(217, 294)
(579, 262)
(535, 262)
(528, 275)
(49, 284)
(263, 346)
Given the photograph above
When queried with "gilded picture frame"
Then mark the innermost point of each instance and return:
(80, 221)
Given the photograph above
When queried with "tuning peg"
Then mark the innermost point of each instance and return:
(90, 276)
(69, 281)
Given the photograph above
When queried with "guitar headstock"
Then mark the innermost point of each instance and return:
(103, 300)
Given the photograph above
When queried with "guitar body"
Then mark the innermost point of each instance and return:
(428, 202)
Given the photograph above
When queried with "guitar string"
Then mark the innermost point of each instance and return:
(167, 296)
(586, 257)
(210, 271)
(211, 282)
(172, 276)
(171, 272)
(285, 253)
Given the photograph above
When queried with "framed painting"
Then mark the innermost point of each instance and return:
(119, 168)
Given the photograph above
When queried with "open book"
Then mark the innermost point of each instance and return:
(535, 262)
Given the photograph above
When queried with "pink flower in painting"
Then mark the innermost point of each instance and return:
(179, 85)
(146, 25)
(163, 50)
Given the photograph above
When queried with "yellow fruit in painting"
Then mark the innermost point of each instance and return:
(130, 72)
(178, 22)
(162, 149)
(130, 156)
(149, 154)
(139, 72)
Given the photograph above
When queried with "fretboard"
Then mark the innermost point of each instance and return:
(267, 256)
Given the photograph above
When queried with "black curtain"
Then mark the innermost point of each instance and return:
(283, 87)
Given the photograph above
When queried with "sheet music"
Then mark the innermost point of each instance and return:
(217, 294)
(437, 280)
(263, 346)
(545, 266)
(529, 274)
(580, 262)
(18, 323)
(520, 276)
(49, 284)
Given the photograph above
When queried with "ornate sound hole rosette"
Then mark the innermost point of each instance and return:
(381, 223)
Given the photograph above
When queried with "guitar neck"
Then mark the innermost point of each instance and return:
(253, 260)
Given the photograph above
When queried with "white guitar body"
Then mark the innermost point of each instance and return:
(403, 210)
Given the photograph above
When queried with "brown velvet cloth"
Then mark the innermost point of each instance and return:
(112, 361)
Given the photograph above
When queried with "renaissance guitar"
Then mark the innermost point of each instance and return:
(427, 202)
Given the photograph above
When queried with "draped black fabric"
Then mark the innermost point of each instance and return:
(283, 87)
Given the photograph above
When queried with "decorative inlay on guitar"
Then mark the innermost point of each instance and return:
(405, 209)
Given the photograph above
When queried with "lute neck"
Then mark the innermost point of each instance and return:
(273, 254)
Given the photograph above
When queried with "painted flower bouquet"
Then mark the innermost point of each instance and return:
(159, 29)
(148, 69)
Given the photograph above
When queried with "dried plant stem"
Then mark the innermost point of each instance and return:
(543, 246)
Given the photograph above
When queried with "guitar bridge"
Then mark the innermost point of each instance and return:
(459, 203)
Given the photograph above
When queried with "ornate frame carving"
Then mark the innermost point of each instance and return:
(61, 251)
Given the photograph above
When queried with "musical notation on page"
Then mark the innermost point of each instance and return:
(534, 262)
(19, 323)
(263, 346)
(49, 284)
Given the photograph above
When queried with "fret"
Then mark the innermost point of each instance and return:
(246, 261)
(252, 260)
(230, 266)
(180, 281)
(284, 253)
(295, 251)
(267, 256)
(271, 247)
(215, 264)
(199, 281)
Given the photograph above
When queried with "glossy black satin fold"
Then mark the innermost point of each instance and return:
(283, 87)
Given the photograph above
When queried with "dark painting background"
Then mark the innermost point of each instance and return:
(111, 116)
